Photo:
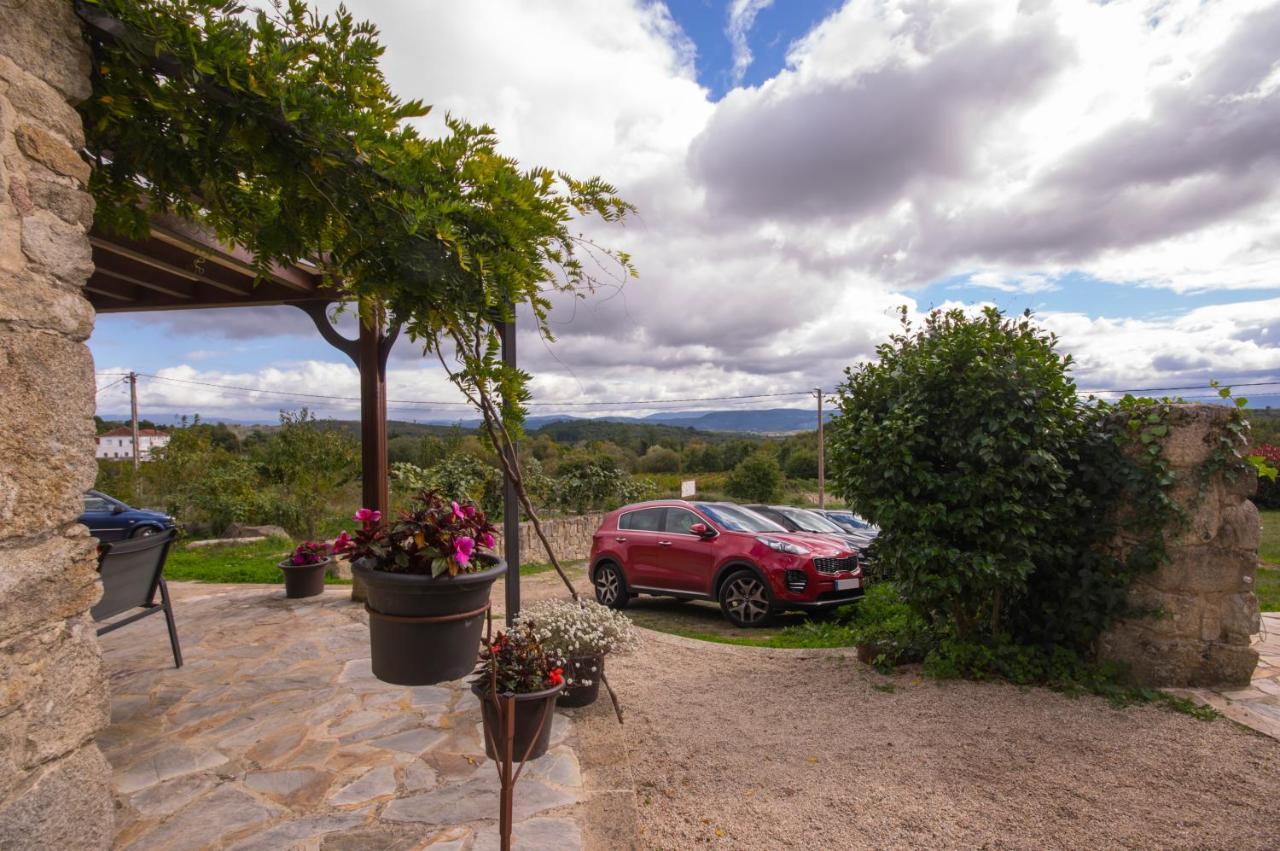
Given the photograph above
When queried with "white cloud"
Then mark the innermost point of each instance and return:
(907, 141)
(742, 17)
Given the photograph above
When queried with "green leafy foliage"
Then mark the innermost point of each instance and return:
(758, 478)
(893, 632)
(304, 465)
(958, 443)
(1009, 508)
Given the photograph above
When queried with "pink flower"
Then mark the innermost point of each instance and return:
(462, 549)
(470, 510)
(487, 541)
(457, 512)
(368, 516)
(342, 543)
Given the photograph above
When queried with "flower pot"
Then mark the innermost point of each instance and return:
(534, 714)
(303, 580)
(588, 668)
(423, 630)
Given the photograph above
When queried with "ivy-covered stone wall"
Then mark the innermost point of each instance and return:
(54, 782)
(1200, 604)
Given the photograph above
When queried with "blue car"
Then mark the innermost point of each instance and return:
(109, 519)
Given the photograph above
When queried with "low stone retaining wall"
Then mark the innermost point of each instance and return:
(570, 537)
(1203, 595)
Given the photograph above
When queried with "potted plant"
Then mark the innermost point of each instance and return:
(427, 585)
(577, 635)
(514, 667)
(305, 567)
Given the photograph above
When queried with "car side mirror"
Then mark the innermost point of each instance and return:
(117, 508)
(702, 530)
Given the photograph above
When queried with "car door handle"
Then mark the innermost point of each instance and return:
(664, 543)
(620, 540)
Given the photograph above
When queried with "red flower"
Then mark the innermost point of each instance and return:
(555, 676)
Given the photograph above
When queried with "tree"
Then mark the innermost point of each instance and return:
(659, 459)
(960, 441)
(306, 463)
(758, 478)
(802, 463)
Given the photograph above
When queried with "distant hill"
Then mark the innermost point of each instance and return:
(768, 421)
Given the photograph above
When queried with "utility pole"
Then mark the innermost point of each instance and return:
(133, 404)
(822, 456)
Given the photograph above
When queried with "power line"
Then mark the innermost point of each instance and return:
(112, 384)
(1187, 387)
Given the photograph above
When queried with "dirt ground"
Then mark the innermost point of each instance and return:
(740, 747)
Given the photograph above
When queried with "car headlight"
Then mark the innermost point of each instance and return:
(783, 546)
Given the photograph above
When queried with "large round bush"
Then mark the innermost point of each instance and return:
(959, 441)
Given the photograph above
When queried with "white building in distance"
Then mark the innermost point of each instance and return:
(118, 443)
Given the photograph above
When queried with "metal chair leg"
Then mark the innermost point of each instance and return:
(168, 619)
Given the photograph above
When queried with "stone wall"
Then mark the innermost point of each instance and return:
(1203, 599)
(54, 782)
(570, 537)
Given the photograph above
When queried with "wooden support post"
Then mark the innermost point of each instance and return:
(373, 409)
(510, 504)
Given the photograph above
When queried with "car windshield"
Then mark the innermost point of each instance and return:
(809, 521)
(735, 518)
(851, 520)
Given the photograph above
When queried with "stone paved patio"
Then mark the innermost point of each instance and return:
(1258, 705)
(276, 735)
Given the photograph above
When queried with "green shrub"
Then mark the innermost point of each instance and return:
(758, 478)
(659, 459)
(802, 464)
(958, 442)
(885, 622)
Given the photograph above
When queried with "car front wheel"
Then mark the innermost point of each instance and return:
(611, 588)
(745, 600)
(143, 532)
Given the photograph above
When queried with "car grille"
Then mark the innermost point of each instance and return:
(835, 565)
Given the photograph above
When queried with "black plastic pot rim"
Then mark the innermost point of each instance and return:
(486, 694)
(285, 565)
(387, 578)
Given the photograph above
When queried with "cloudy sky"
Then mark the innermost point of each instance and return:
(804, 167)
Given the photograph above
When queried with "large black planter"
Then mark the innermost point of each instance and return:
(303, 580)
(534, 713)
(422, 630)
(579, 669)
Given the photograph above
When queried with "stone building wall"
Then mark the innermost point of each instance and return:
(1203, 598)
(569, 536)
(54, 782)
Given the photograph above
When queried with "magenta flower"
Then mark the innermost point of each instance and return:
(368, 516)
(470, 510)
(342, 543)
(457, 512)
(486, 540)
(462, 549)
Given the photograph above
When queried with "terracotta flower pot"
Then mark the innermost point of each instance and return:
(534, 713)
(423, 630)
(303, 580)
(577, 692)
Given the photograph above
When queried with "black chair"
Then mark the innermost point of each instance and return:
(131, 573)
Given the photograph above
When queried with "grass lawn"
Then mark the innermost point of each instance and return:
(251, 563)
(1269, 549)
(255, 562)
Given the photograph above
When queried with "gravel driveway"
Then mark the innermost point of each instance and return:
(748, 748)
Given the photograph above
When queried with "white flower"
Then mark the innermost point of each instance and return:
(567, 629)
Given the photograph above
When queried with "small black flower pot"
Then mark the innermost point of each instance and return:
(582, 681)
(422, 630)
(534, 713)
(303, 580)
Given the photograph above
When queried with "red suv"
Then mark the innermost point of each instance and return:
(718, 551)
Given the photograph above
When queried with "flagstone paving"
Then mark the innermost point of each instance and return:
(1258, 704)
(275, 734)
